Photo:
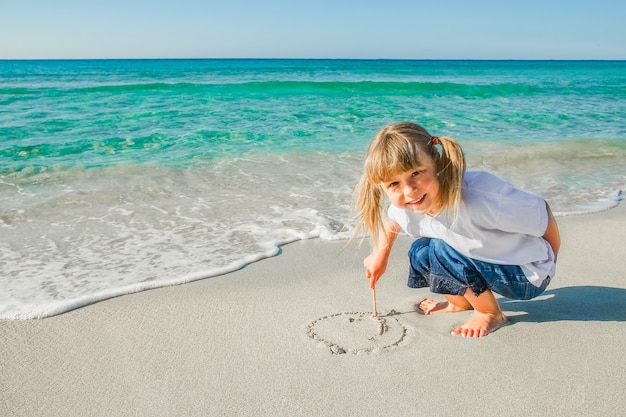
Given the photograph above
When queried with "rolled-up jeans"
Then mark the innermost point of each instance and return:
(437, 265)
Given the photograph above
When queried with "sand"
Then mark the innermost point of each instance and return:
(293, 336)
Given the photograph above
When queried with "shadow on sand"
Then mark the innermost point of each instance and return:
(583, 303)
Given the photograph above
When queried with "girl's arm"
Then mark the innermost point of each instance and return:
(552, 233)
(376, 262)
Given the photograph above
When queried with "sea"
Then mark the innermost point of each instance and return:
(118, 176)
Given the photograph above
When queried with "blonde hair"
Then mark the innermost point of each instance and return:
(399, 148)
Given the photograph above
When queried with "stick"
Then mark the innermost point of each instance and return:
(374, 300)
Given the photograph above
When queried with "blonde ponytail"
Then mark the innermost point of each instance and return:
(450, 172)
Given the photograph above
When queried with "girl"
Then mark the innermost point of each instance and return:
(476, 233)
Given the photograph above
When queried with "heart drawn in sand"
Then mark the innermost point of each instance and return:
(357, 332)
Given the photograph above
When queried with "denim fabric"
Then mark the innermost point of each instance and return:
(436, 264)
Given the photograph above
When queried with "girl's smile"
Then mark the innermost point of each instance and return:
(417, 203)
(415, 190)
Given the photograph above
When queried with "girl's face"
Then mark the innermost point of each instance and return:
(415, 190)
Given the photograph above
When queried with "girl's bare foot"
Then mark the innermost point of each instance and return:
(481, 325)
(428, 306)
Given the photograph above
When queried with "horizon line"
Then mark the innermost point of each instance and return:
(308, 59)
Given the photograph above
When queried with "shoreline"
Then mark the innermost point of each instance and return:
(267, 340)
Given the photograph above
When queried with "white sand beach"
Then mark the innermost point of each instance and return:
(293, 336)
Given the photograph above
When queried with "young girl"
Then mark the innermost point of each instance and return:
(476, 234)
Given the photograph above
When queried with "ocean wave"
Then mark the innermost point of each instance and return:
(363, 87)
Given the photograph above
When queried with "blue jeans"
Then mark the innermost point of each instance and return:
(437, 265)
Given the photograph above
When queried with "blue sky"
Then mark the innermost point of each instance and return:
(401, 29)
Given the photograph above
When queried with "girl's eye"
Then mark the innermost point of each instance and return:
(393, 184)
(416, 173)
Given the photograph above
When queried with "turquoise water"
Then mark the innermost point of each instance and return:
(118, 176)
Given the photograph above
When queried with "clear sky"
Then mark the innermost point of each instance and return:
(403, 29)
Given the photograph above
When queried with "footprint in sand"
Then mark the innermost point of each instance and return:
(357, 332)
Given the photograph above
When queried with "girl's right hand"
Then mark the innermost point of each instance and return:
(375, 265)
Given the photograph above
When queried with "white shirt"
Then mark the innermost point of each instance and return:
(497, 223)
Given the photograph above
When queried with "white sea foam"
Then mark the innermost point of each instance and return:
(131, 228)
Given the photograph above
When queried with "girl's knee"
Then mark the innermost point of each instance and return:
(443, 253)
(420, 244)
(419, 251)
